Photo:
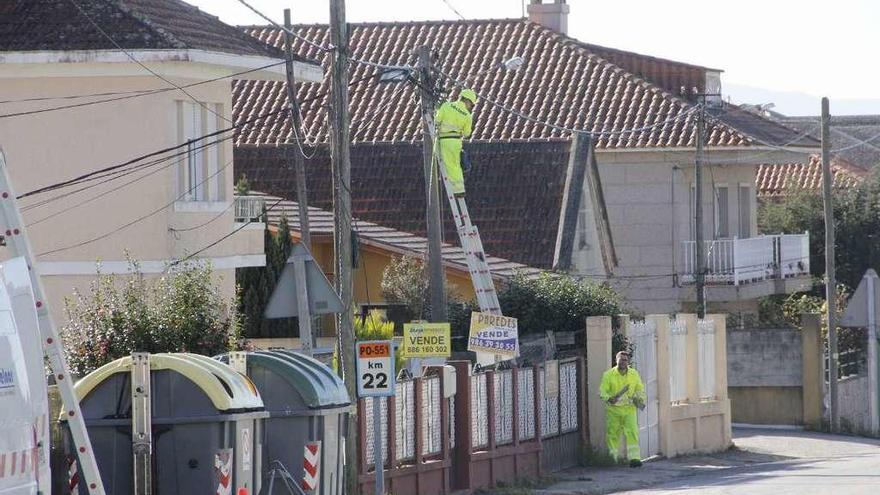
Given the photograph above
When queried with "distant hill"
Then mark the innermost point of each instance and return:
(796, 103)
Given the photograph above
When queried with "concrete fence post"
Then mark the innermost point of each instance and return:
(719, 321)
(598, 360)
(664, 392)
(813, 373)
(692, 357)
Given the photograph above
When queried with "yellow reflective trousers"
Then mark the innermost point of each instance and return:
(620, 418)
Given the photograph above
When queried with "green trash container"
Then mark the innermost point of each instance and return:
(206, 426)
(307, 402)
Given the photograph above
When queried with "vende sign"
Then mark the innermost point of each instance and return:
(422, 340)
(494, 334)
(375, 368)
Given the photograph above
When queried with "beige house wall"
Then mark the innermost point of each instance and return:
(46, 148)
(648, 201)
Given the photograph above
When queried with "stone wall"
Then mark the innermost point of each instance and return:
(765, 376)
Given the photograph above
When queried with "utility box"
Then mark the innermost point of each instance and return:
(206, 419)
(307, 403)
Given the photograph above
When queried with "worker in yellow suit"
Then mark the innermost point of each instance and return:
(454, 122)
(622, 390)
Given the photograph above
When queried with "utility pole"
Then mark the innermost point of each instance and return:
(437, 282)
(299, 168)
(340, 159)
(830, 278)
(698, 211)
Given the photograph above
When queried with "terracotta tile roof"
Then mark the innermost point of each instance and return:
(395, 241)
(30, 25)
(514, 191)
(773, 180)
(760, 129)
(670, 75)
(562, 82)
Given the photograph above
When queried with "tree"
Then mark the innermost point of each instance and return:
(857, 226)
(550, 302)
(180, 312)
(257, 283)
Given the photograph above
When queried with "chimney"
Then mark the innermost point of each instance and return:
(552, 14)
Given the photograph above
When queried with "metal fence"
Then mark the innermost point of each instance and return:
(249, 208)
(479, 411)
(503, 405)
(643, 335)
(706, 358)
(677, 361)
(525, 405)
(432, 428)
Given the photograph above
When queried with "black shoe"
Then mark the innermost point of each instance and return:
(634, 463)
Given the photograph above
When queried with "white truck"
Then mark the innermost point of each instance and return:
(24, 407)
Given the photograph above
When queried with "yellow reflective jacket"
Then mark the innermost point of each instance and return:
(454, 120)
(613, 382)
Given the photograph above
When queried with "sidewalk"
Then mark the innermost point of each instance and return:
(596, 481)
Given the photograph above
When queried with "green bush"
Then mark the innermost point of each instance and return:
(549, 302)
(180, 312)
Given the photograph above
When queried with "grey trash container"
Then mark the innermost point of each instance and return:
(206, 425)
(306, 402)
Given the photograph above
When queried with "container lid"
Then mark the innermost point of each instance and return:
(317, 384)
(227, 389)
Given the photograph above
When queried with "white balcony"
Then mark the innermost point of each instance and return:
(249, 208)
(744, 261)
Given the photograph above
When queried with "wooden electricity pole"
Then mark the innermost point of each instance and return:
(830, 278)
(340, 159)
(698, 211)
(299, 134)
(437, 282)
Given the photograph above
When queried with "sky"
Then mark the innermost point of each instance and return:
(769, 50)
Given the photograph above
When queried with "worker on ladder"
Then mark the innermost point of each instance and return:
(454, 122)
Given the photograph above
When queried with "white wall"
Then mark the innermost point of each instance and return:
(647, 196)
(45, 148)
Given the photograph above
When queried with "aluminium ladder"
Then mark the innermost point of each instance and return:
(13, 230)
(471, 243)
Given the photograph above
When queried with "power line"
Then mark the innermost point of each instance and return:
(189, 229)
(139, 219)
(98, 196)
(288, 31)
(218, 241)
(312, 43)
(452, 8)
(686, 112)
(88, 175)
(135, 60)
(128, 95)
(114, 169)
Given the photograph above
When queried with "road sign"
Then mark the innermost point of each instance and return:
(856, 314)
(311, 465)
(375, 368)
(862, 311)
(283, 302)
(421, 340)
(494, 334)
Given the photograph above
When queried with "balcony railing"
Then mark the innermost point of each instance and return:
(741, 261)
(249, 208)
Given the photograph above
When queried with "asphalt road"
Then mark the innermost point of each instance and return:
(816, 464)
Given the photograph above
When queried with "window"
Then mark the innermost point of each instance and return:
(745, 211)
(722, 211)
(200, 176)
(583, 241)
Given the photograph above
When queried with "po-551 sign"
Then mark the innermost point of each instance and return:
(375, 368)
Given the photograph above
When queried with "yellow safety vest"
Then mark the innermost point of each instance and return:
(613, 382)
(454, 120)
